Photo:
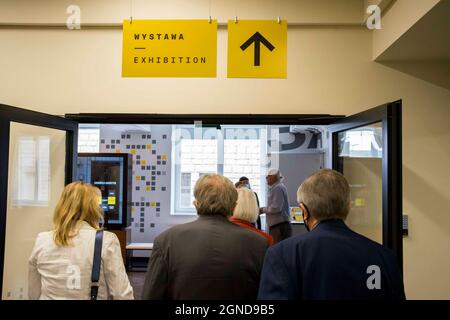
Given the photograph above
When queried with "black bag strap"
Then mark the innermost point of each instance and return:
(96, 263)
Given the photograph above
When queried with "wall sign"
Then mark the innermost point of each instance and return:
(257, 49)
(169, 48)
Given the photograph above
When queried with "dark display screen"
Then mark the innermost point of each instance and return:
(105, 173)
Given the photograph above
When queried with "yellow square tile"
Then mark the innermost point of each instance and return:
(138, 178)
(112, 200)
(359, 202)
(133, 209)
(147, 188)
(133, 152)
(117, 150)
(143, 162)
(149, 146)
(164, 157)
(153, 204)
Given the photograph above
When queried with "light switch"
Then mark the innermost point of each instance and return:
(405, 226)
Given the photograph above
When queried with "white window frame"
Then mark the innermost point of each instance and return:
(176, 174)
(89, 126)
(38, 199)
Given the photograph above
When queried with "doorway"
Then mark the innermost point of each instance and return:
(365, 147)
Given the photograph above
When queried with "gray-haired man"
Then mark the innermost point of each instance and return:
(205, 259)
(331, 262)
(277, 210)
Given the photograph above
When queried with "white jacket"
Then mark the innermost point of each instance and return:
(57, 272)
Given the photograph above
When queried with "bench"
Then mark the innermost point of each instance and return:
(136, 246)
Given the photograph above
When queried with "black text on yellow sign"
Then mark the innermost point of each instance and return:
(257, 49)
(169, 48)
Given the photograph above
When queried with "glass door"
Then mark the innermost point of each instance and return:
(36, 161)
(366, 148)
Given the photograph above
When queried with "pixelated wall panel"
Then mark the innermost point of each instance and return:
(151, 181)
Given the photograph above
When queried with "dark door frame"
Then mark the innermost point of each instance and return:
(207, 119)
(390, 115)
(10, 114)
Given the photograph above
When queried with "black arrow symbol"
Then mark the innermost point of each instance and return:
(257, 38)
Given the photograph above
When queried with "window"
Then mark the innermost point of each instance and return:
(365, 142)
(233, 151)
(33, 171)
(243, 155)
(89, 138)
(195, 153)
(186, 194)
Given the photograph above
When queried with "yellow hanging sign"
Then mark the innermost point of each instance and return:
(169, 48)
(257, 49)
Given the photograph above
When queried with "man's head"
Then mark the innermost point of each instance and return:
(273, 176)
(324, 195)
(243, 182)
(214, 194)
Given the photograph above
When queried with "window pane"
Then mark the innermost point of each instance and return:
(43, 166)
(35, 181)
(242, 155)
(364, 142)
(197, 155)
(26, 170)
(360, 152)
(185, 200)
(89, 139)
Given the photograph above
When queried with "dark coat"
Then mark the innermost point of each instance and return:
(330, 262)
(210, 258)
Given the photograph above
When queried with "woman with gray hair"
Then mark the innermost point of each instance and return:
(246, 212)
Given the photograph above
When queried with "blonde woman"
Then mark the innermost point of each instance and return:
(246, 212)
(60, 265)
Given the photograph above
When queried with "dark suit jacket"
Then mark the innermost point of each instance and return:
(210, 258)
(330, 262)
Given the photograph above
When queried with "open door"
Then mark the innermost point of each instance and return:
(37, 159)
(367, 149)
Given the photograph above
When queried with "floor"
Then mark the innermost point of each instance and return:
(137, 282)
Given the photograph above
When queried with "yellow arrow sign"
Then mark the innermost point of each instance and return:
(257, 49)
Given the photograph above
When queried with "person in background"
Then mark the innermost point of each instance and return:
(60, 265)
(245, 182)
(247, 211)
(210, 258)
(277, 210)
(331, 261)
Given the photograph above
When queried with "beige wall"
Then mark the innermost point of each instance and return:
(330, 70)
(115, 11)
